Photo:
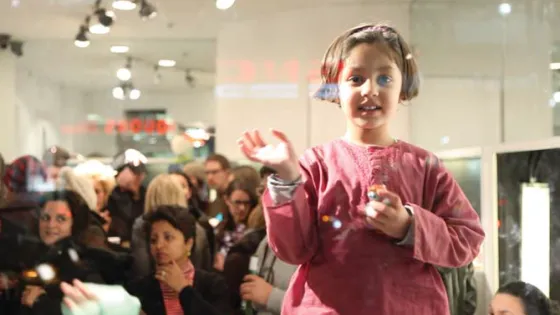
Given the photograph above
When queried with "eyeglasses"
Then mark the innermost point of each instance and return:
(247, 203)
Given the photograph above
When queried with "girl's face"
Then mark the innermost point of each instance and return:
(55, 222)
(369, 87)
(505, 304)
(239, 204)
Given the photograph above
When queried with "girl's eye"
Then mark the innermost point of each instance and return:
(356, 79)
(384, 80)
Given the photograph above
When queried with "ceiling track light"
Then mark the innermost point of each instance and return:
(147, 10)
(16, 46)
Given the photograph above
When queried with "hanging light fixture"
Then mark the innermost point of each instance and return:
(124, 73)
(126, 91)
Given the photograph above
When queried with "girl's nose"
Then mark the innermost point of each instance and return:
(370, 88)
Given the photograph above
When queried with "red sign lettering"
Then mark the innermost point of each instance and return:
(134, 126)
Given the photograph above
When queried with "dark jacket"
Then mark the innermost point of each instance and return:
(207, 296)
(461, 289)
(61, 257)
(236, 265)
(124, 209)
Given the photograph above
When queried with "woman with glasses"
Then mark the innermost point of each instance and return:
(241, 198)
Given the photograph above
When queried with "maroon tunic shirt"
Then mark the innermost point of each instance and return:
(349, 269)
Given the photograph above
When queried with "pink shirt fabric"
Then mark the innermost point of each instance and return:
(349, 269)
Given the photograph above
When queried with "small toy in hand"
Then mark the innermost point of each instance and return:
(373, 195)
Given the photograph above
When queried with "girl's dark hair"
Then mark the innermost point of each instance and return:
(78, 207)
(178, 217)
(397, 49)
(534, 300)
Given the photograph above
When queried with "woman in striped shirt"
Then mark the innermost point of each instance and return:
(176, 287)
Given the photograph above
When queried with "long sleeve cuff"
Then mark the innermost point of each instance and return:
(408, 239)
(275, 299)
(281, 191)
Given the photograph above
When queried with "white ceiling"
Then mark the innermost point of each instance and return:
(95, 67)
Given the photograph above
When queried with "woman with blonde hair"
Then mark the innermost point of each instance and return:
(164, 190)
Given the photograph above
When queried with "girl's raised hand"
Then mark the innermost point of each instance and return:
(281, 157)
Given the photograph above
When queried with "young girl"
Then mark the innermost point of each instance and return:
(363, 253)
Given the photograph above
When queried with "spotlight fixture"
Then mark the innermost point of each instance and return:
(16, 46)
(82, 40)
(224, 4)
(147, 10)
(124, 5)
(105, 19)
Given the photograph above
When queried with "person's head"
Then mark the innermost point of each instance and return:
(196, 173)
(164, 190)
(63, 214)
(103, 177)
(102, 188)
(171, 231)
(521, 298)
(54, 159)
(368, 70)
(240, 198)
(25, 174)
(80, 184)
(247, 174)
(130, 166)
(217, 169)
(183, 179)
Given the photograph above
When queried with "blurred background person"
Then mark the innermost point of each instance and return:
(126, 201)
(55, 158)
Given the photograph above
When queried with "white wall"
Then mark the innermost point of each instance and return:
(8, 108)
(461, 49)
(42, 106)
(301, 36)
